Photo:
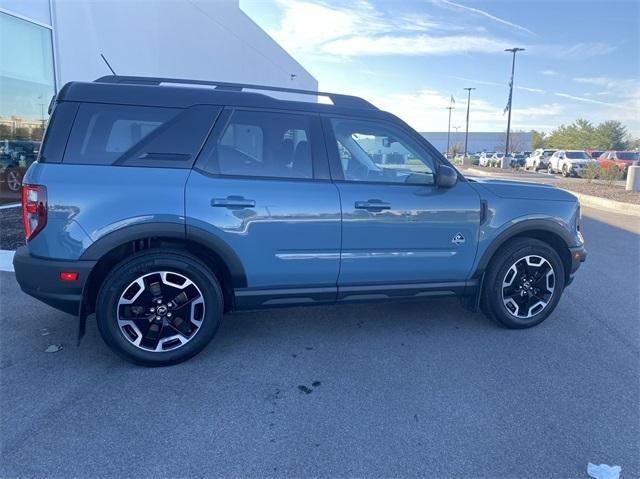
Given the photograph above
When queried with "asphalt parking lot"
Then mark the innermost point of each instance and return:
(405, 389)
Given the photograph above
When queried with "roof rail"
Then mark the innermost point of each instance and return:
(348, 101)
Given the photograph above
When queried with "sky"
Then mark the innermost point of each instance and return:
(581, 58)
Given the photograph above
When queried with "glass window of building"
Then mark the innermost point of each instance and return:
(26, 87)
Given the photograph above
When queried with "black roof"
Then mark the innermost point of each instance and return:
(180, 93)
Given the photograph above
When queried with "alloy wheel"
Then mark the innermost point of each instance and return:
(13, 180)
(160, 311)
(528, 286)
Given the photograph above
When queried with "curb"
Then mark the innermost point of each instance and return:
(586, 200)
(608, 205)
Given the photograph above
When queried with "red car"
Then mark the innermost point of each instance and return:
(623, 159)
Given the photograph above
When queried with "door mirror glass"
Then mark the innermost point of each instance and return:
(447, 176)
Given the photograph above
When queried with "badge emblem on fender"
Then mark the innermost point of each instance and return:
(458, 239)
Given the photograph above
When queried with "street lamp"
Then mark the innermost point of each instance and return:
(508, 107)
(466, 135)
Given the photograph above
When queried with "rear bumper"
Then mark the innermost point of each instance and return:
(40, 278)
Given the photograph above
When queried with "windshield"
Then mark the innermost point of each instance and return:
(577, 155)
(548, 152)
(630, 156)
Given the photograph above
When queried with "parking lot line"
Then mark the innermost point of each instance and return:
(6, 260)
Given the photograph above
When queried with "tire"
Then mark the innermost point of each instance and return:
(124, 307)
(13, 179)
(523, 310)
(565, 171)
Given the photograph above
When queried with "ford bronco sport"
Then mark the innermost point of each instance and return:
(158, 204)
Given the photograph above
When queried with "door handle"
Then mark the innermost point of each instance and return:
(233, 202)
(372, 205)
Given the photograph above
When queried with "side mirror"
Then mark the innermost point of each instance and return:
(447, 176)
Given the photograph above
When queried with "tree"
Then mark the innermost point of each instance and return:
(455, 149)
(612, 135)
(538, 139)
(5, 132)
(22, 133)
(516, 142)
(582, 135)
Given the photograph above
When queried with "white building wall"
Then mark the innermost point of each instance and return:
(197, 39)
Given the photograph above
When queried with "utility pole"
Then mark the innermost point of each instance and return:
(449, 130)
(466, 135)
(508, 107)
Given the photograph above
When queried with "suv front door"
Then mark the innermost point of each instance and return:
(398, 227)
(261, 190)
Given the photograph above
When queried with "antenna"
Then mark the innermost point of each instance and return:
(105, 60)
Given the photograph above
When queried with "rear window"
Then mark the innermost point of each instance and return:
(629, 156)
(577, 155)
(137, 135)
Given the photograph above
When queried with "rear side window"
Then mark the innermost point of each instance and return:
(137, 135)
(263, 144)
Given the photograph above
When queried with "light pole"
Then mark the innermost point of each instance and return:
(466, 135)
(513, 67)
(449, 130)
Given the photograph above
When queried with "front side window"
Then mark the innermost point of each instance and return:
(265, 144)
(372, 151)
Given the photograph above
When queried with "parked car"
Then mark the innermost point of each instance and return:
(622, 159)
(517, 160)
(485, 158)
(569, 162)
(539, 159)
(160, 207)
(15, 157)
(496, 158)
(595, 154)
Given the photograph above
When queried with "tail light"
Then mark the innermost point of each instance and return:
(34, 209)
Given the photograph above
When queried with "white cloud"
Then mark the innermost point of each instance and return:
(412, 45)
(533, 90)
(550, 73)
(338, 31)
(577, 51)
(488, 15)
(426, 110)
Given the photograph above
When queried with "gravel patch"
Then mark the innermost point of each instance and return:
(11, 232)
(615, 193)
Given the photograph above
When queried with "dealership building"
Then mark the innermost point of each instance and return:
(480, 141)
(46, 43)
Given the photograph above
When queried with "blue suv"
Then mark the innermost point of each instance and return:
(159, 204)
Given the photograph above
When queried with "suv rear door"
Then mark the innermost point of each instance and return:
(261, 188)
(398, 226)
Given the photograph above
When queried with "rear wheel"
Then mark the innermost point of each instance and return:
(565, 171)
(159, 308)
(523, 283)
(13, 179)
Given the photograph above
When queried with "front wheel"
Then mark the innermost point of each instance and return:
(523, 283)
(159, 308)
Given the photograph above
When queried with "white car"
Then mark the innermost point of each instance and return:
(497, 157)
(539, 159)
(569, 162)
(485, 158)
